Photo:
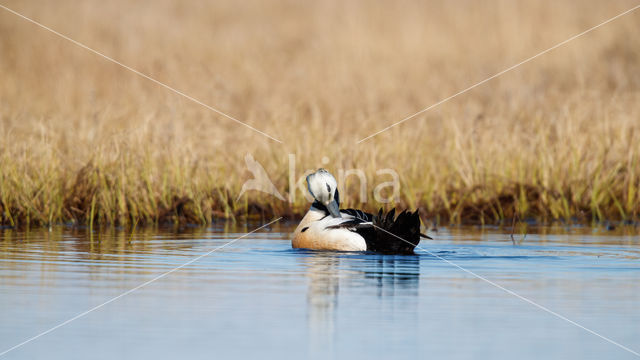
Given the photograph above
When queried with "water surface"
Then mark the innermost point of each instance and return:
(259, 298)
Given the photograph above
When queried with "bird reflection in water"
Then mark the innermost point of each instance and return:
(329, 273)
(394, 273)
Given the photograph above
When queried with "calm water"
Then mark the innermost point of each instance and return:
(259, 298)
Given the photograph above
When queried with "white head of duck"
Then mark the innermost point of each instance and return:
(324, 189)
(327, 227)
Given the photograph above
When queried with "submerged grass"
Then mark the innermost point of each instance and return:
(84, 141)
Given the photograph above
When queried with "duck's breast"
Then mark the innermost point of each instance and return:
(315, 235)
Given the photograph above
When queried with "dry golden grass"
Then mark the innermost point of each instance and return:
(83, 140)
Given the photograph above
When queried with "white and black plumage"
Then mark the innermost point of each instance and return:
(326, 227)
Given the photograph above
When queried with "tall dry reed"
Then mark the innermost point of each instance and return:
(83, 140)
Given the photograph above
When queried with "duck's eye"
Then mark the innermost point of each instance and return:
(328, 188)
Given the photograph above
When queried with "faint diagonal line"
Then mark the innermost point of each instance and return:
(510, 292)
(139, 73)
(136, 288)
(498, 74)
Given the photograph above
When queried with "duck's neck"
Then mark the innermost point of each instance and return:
(314, 214)
(318, 206)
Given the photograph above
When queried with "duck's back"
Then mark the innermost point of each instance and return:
(383, 233)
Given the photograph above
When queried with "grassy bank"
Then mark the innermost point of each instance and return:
(83, 140)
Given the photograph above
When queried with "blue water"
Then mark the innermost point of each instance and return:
(258, 298)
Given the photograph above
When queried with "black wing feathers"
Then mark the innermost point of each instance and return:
(358, 214)
(388, 234)
(393, 236)
(350, 224)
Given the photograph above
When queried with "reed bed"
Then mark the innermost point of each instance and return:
(84, 141)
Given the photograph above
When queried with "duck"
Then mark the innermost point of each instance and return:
(327, 227)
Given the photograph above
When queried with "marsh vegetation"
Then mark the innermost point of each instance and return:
(84, 141)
